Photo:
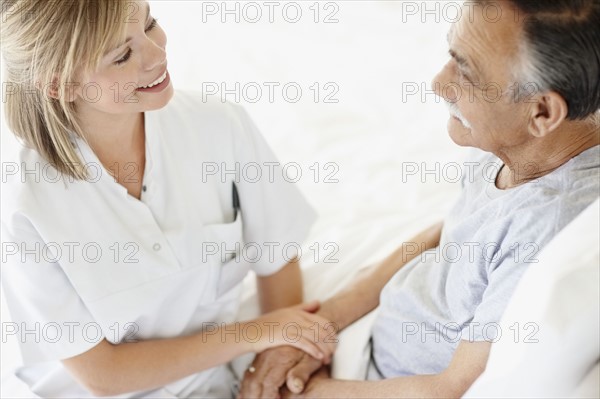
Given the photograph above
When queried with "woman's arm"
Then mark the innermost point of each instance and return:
(281, 289)
(107, 369)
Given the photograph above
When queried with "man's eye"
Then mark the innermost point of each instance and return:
(152, 25)
(463, 75)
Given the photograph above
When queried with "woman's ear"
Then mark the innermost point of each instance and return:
(547, 114)
(52, 89)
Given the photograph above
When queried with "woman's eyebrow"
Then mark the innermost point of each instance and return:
(147, 15)
(129, 38)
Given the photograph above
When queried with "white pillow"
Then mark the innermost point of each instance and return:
(556, 304)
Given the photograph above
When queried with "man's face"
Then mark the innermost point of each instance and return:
(477, 79)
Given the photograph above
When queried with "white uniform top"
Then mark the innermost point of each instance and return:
(84, 260)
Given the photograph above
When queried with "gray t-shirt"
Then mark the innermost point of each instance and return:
(459, 290)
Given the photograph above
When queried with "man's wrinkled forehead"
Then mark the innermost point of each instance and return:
(483, 41)
(466, 22)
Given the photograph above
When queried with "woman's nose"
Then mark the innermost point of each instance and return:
(156, 56)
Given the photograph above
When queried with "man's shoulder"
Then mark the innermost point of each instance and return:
(569, 189)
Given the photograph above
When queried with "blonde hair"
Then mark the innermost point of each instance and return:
(51, 43)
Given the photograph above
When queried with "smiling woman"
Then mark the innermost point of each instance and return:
(111, 256)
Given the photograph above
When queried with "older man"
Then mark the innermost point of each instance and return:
(438, 314)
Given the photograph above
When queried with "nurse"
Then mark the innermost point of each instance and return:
(127, 225)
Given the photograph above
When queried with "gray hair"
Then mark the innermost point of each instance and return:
(561, 52)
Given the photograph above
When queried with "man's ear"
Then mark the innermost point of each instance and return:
(549, 111)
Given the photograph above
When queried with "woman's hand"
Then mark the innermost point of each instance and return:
(296, 326)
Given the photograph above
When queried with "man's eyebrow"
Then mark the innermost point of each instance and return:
(460, 60)
(473, 71)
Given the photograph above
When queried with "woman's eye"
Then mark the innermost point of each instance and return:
(152, 24)
(125, 58)
(128, 55)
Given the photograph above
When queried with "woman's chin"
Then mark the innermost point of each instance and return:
(159, 101)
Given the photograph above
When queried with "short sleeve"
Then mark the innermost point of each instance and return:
(48, 318)
(277, 216)
(502, 281)
(518, 250)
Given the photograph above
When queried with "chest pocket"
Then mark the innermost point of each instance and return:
(226, 254)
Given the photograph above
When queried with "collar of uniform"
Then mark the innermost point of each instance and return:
(97, 172)
(88, 157)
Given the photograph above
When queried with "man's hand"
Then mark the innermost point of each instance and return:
(312, 388)
(275, 368)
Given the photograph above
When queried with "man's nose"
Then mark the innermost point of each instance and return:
(436, 85)
(442, 86)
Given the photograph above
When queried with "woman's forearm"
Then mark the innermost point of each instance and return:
(362, 295)
(108, 369)
(281, 289)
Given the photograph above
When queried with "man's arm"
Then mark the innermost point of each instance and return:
(281, 289)
(467, 364)
(362, 295)
(275, 367)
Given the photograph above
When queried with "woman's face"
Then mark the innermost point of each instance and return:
(116, 86)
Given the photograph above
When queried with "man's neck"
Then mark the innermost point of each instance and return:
(539, 157)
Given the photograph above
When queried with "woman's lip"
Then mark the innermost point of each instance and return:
(161, 74)
(158, 87)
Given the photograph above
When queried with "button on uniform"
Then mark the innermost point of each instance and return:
(156, 247)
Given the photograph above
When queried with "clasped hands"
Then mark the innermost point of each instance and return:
(288, 371)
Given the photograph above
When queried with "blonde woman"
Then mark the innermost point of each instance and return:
(124, 230)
